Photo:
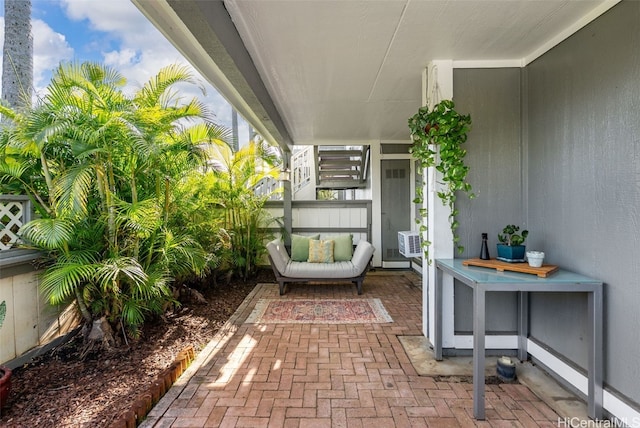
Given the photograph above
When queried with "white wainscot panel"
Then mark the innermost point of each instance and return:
(25, 297)
(7, 343)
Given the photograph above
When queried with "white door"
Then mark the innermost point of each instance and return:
(396, 208)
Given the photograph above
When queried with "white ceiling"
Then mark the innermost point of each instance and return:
(350, 70)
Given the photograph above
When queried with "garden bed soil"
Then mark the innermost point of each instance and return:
(58, 389)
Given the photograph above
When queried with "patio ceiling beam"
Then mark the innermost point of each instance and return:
(204, 33)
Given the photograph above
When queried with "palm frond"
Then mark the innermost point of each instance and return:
(194, 109)
(102, 75)
(132, 313)
(61, 280)
(152, 91)
(156, 286)
(80, 256)
(48, 233)
(183, 255)
(142, 218)
(220, 157)
(72, 189)
(206, 133)
(12, 170)
(7, 111)
(110, 272)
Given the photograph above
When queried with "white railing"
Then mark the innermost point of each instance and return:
(328, 217)
(302, 162)
(15, 211)
(268, 186)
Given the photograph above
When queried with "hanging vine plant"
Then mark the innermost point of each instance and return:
(437, 135)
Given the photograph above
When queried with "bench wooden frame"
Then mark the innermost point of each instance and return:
(283, 280)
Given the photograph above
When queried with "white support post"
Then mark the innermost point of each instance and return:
(437, 85)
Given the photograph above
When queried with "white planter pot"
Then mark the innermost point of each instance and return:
(535, 258)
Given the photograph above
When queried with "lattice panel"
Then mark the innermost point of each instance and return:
(11, 219)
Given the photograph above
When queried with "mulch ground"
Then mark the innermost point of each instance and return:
(59, 389)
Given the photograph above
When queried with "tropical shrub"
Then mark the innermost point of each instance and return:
(223, 211)
(102, 167)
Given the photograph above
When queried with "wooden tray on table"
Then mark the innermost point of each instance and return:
(542, 271)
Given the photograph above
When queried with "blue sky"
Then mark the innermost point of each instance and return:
(113, 32)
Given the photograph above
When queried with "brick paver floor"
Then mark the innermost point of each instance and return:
(332, 375)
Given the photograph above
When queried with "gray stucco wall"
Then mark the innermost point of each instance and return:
(579, 194)
(494, 153)
(584, 185)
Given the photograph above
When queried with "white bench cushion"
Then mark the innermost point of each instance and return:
(345, 269)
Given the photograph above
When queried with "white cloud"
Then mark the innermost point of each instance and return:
(121, 58)
(143, 50)
(114, 16)
(49, 49)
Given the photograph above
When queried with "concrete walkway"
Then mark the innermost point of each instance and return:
(333, 375)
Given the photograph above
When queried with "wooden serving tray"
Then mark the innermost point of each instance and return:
(500, 266)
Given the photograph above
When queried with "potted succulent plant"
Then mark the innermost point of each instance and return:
(5, 372)
(511, 246)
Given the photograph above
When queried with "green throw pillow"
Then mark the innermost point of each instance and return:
(343, 248)
(300, 247)
(320, 251)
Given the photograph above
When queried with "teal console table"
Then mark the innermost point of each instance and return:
(482, 280)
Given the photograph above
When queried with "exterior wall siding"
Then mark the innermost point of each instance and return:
(578, 146)
(30, 321)
(328, 217)
(494, 153)
(584, 185)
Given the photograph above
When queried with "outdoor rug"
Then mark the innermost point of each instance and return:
(326, 311)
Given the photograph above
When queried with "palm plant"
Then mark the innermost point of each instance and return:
(227, 212)
(107, 165)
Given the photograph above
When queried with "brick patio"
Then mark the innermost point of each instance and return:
(332, 375)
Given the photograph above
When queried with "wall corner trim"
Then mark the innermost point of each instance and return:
(545, 47)
(493, 63)
(614, 405)
(569, 31)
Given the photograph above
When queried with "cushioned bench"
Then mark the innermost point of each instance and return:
(287, 270)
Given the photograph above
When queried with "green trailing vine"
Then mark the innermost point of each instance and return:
(437, 136)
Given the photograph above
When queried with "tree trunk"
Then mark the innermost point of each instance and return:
(17, 62)
(99, 338)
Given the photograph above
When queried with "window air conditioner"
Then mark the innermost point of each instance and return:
(409, 244)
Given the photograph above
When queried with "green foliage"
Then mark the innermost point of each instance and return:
(223, 211)
(437, 136)
(134, 192)
(511, 236)
(102, 168)
(326, 195)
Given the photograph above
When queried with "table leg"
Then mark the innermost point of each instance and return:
(523, 324)
(595, 304)
(478, 351)
(438, 318)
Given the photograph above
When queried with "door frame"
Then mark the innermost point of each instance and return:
(376, 165)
